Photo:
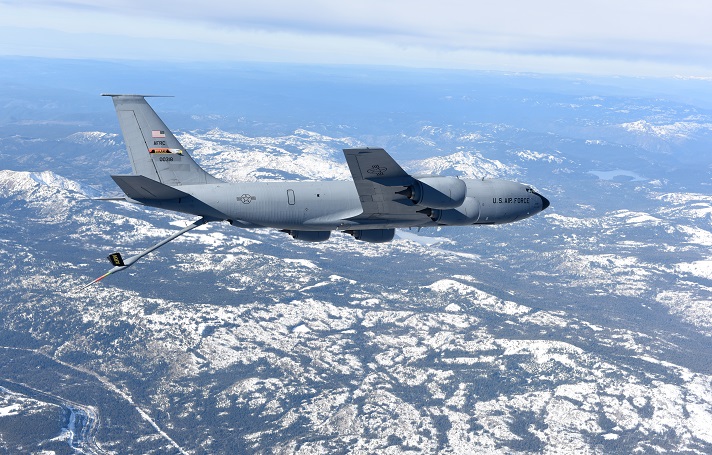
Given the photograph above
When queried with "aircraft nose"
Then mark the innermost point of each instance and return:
(544, 202)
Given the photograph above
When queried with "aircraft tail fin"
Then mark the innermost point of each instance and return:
(154, 151)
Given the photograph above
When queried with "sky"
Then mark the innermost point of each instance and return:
(611, 37)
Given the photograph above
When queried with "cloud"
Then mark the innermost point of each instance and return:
(652, 32)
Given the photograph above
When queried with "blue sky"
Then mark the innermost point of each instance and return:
(627, 37)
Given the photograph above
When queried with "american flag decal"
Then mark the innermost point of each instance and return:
(158, 133)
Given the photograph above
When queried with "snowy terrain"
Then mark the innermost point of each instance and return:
(585, 329)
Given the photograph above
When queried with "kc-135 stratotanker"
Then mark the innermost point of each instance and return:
(381, 197)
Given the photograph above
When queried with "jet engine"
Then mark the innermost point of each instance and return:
(374, 235)
(466, 214)
(437, 192)
(309, 236)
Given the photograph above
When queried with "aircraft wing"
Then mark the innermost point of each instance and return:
(378, 179)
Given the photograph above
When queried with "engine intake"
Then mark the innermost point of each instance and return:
(437, 192)
(467, 213)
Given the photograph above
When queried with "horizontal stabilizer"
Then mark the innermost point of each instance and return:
(109, 199)
(140, 187)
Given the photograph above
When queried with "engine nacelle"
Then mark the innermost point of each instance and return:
(466, 214)
(309, 236)
(437, 192)
(374, 235)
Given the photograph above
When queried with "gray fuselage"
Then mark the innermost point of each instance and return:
(335, 205)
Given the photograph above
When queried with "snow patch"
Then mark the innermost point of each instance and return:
(530, 155)
(451, 285)
(11, 410)
(303, 262)
(677, 130)
(702, 269)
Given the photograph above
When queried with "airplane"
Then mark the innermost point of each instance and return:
(380, 198)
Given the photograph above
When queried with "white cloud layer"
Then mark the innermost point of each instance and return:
(604, 36)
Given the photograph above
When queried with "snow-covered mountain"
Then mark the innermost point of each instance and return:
(583, 330)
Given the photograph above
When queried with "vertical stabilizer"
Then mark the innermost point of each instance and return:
(154, 151)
